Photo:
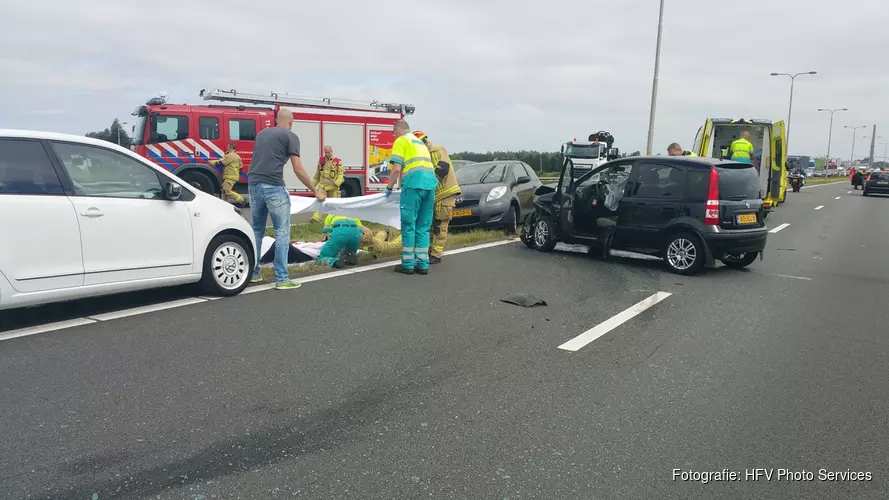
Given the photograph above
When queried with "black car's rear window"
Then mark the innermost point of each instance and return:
(879, 176)
(738, 183)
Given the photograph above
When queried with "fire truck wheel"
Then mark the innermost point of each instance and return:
(200, 181)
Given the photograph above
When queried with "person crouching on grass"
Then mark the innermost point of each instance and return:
(343, 237)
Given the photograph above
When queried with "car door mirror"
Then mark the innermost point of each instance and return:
(172, 191)
(523, 180)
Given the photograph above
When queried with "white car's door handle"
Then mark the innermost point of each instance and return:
(92, 213)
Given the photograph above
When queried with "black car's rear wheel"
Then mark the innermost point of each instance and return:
(684, 253)
(544, 235)
(739, 261)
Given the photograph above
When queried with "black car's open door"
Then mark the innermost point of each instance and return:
(566, 201)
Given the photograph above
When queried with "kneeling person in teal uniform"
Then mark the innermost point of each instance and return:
(343, 238)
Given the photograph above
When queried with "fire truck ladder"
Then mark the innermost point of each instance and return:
(283, 98)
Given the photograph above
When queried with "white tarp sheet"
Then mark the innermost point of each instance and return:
(371, 208)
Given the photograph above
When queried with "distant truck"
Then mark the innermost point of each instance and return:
(184, 138)
(589, 154)
(769, 142)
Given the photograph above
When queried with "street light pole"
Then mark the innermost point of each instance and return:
(852, 155)
(657, 68)
(830, 130)
(790, 106)
(870, 162)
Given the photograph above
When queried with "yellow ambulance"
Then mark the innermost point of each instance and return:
(769, 142)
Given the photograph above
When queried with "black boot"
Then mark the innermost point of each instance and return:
(400, 269)
(339, 264)
(434, 260)
(350, 259)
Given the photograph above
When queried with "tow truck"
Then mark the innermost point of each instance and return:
(589, 154)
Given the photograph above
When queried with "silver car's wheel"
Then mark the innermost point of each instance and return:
(230, 265)
(682, 254)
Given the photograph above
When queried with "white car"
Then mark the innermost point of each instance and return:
(83, 217)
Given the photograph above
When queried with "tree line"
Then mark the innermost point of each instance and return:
(115, 133)
(540, 161)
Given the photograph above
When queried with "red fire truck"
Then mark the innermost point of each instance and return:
(183, 138)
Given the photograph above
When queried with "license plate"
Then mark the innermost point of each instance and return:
(746, 218)
(461, 213)
(882, 182)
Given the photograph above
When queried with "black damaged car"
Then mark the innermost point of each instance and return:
(689, 211)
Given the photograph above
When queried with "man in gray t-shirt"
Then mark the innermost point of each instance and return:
(268, 197)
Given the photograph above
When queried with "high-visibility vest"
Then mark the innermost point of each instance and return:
(412, 154)
(447, 185)
(331, 219)
(741, 148)
(688, 153)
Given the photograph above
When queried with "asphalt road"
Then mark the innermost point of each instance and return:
(377, 385)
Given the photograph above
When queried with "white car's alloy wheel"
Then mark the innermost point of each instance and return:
(230, 265)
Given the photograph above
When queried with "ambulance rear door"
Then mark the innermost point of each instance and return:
(778, 172)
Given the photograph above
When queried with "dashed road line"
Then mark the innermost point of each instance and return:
(819, 207)
(793, 277)
(838, 197)
(613, 322)
(779, 228)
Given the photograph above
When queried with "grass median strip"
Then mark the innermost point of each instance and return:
(309, 232)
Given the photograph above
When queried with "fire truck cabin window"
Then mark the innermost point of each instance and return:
(169, 128)
(209, 127)
(241, 129)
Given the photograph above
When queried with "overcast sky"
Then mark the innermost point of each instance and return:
(496, 75)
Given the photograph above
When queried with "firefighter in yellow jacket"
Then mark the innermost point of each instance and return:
(329, 176)
(231, 173)
(387, 241)
(445, 196)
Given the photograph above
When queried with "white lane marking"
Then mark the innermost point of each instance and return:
(819, 207)
(848, 192)
(822, 184)
(146, 309)
(210, 297)
(838, 197)
(613, 322)
(793, 277)
(50, 327)
(782, 226)
(61, 325)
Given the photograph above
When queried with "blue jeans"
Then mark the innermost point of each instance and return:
(417, 206)
(268, 200)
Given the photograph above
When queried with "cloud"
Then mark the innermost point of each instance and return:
(484, 75)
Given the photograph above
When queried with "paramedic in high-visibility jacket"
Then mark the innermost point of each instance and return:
(445, 196)
(411, 166)
(343, 238)
(742, 149)
(231, 172)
